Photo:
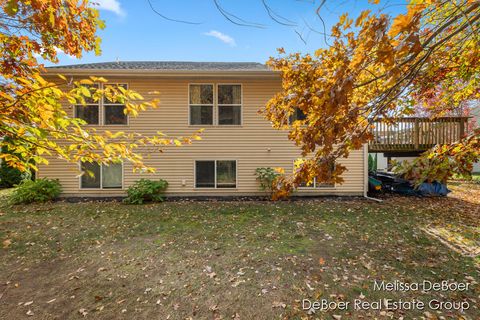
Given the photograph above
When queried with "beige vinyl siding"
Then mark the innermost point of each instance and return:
(248, 144)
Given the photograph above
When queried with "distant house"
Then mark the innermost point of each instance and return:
(223, 98)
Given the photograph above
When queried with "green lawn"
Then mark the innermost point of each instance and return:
(235, 260)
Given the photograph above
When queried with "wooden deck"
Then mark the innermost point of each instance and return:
(416, 135)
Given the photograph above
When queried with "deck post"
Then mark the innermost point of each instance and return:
(416, 134)
(462, 127)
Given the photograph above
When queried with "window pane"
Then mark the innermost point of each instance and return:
(201, 115)
(113, 101)
(305, 185)
(93, 89)
(201, 94)
(229, 115)
(115, 115)
(87, 180)
(226, 174)
(329, 174)
(298, 114)
(204, 174)
(87, 113)
(112, 176)
(229, 94)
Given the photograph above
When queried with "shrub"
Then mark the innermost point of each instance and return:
(40, 190)
(9, 176)
(266, 177)
(146, 190)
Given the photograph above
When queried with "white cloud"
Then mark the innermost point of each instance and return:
(222, 37)
(110, 5)
(58, 51)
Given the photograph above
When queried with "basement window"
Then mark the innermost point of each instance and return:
(215, 174)
(96, 176)
(314, 184)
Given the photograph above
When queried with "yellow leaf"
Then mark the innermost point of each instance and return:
(7, 243)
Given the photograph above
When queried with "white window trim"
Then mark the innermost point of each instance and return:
(215, 172)
(101, 179)
(314, 186)
(101, 110)
(198, 105)
(229, 105)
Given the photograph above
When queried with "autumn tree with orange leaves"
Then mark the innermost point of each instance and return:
(31, 111)
(378, 67)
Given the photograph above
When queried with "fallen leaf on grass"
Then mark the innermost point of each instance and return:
(83, 312)
(29, 313)
(6, 243)
(277, 304)
(28, 303)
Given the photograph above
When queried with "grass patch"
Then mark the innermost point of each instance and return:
(233, 260)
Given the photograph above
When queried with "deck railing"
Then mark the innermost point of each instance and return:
(416, 134)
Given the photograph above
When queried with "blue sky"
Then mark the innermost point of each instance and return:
(135, 32)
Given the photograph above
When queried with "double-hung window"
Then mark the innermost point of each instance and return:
(103, 111)
(90, 111)
(201, 104)
(229, 104)
(96, 176)
(215, 174)
(215, 105)
(114, 110)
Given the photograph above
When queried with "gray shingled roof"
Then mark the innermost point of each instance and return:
(168, 65)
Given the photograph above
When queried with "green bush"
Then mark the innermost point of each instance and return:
(266, 177)
(40, 190)
(145, 190)
(9, 176)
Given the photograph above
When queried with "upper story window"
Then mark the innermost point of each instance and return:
(90, 111)
(220, 105)
(229, 104)
(201, 104)
(298, 114)
(112, 111)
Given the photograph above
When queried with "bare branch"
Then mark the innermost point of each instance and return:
(170, 19)
(235, 19)
(276, 17)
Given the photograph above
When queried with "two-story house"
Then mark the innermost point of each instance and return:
(222, 98)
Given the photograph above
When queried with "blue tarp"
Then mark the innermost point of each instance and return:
(434, 189)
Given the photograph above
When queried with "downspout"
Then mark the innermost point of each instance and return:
(365, 174)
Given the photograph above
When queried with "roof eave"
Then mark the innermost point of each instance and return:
(161, 73)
